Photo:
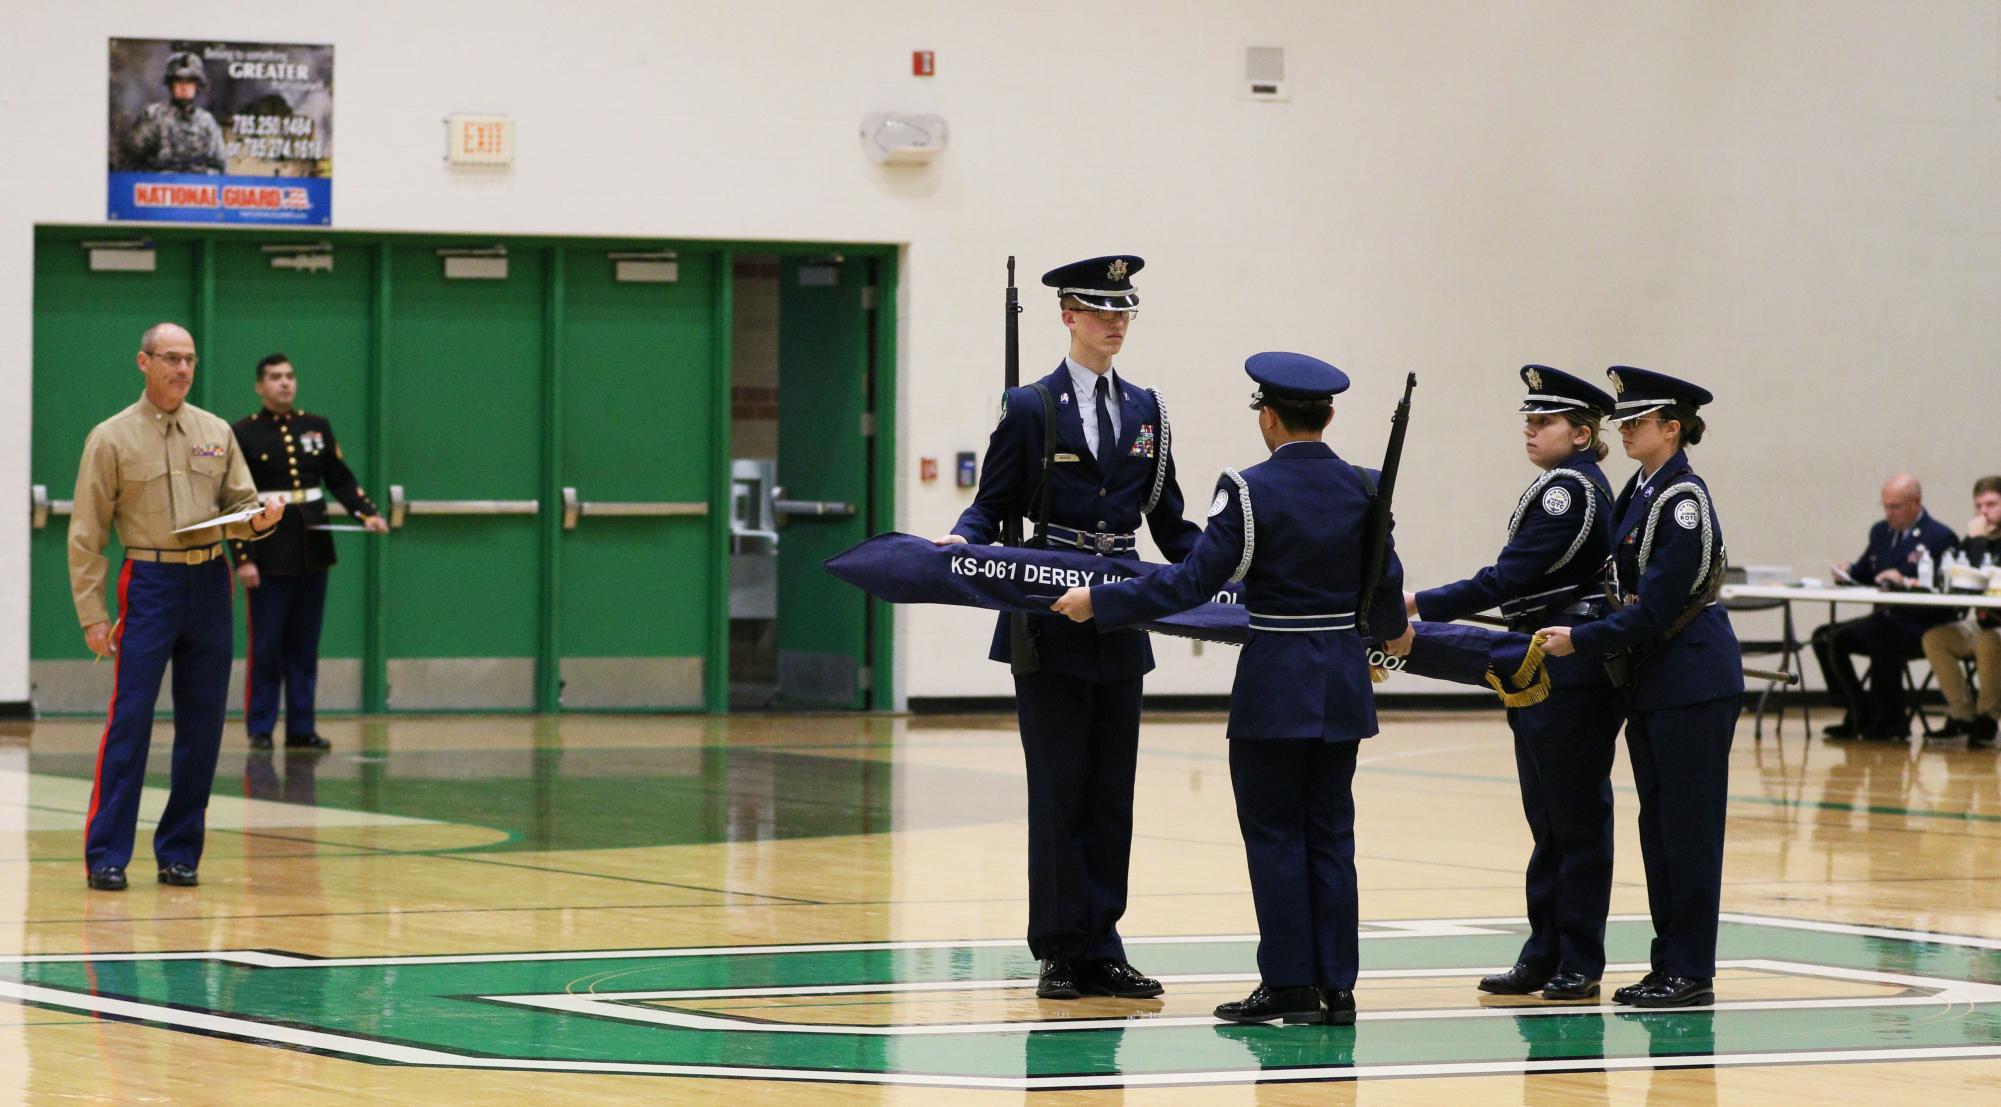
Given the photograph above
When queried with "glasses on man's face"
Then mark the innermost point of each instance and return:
(173, 357)
(1108, 317)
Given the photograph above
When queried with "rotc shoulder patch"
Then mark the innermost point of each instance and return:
(1688, 514)
(1217, 505)
(1555, 501)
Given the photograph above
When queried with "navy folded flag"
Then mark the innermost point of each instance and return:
(903, 568)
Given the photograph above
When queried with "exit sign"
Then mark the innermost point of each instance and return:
(479, 139)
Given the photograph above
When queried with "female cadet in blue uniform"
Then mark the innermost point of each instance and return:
(1110, 468)
(1290, 528)
(1674, 645)
(1558, 540)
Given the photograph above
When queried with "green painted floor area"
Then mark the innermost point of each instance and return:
(457, 1007)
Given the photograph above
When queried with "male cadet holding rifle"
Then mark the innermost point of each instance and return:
(1085, 452)
(1296, 529)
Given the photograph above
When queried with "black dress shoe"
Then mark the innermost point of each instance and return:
(307, 742)
(1626, 994)
(107, 878)
(1058, 979)
(1842, 729)
(1340, 1004)
(179, 875)
(1109, 976)
(1518, 981)
(1571, 985)
(1981, 734)
(1953, 728)
(1677, 991)
(260, 741)
(1887, 732)
(1292, 1005)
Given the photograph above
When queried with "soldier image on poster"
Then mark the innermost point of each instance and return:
(177, 135)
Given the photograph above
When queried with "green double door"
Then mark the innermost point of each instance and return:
(550, 441)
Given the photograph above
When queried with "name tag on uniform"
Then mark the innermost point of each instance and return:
(1067, 457)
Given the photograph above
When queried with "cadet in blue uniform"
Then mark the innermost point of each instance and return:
(1558, 539)
(1890, 637)
(1672, 644)
(1109, 468)
(285, 576)
(1290, 528)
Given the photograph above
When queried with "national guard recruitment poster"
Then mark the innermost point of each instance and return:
(220, 132)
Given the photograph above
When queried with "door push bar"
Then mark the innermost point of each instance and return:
(784, 507)
(401, 508)
(40, 507)
(575, 508)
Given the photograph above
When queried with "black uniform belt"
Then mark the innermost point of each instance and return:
(1092, 542)
(1523, 606)
(194, 556)
(1303, 624)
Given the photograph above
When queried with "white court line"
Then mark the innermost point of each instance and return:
(617, 1005)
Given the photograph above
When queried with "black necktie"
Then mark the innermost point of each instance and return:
(1107, 441)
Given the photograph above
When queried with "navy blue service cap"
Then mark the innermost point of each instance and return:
(1104, 283)
(1643, 392)
(1553, 391)
(1296, 378)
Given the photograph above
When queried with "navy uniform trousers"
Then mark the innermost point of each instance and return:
(1080, 740)
(1564, 748)
(1681, 768)
(1296, 810)
(285, 616)
(178, 614)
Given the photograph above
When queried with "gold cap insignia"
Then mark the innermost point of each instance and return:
(1535, 379)
(1117, 269)
(1618, 386)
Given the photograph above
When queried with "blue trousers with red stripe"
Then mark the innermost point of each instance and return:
(178, 614)
(285, 617)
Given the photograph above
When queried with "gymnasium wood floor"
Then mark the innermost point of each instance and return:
(828, 909)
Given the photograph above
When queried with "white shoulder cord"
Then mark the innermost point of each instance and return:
(1250, 524)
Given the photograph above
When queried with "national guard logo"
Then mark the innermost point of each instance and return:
(208, 451)
(1534, 379)
(1217, 505)
(1556, 501)
(1688, 515)
(1618, 386)
(1117, 269)
(1143, 443)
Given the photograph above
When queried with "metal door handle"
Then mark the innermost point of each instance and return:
(40, 507)
(812, 507)
(400, 508)
(574, 508)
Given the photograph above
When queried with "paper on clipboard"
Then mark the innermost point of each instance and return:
(338, 526)
(221, 520)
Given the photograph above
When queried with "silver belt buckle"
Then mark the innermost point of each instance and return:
(1106, 543)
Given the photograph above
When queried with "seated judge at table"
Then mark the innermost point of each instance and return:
(1978, 636)
(1889, 636)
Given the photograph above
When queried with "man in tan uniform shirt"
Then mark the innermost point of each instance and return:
(159, 465)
